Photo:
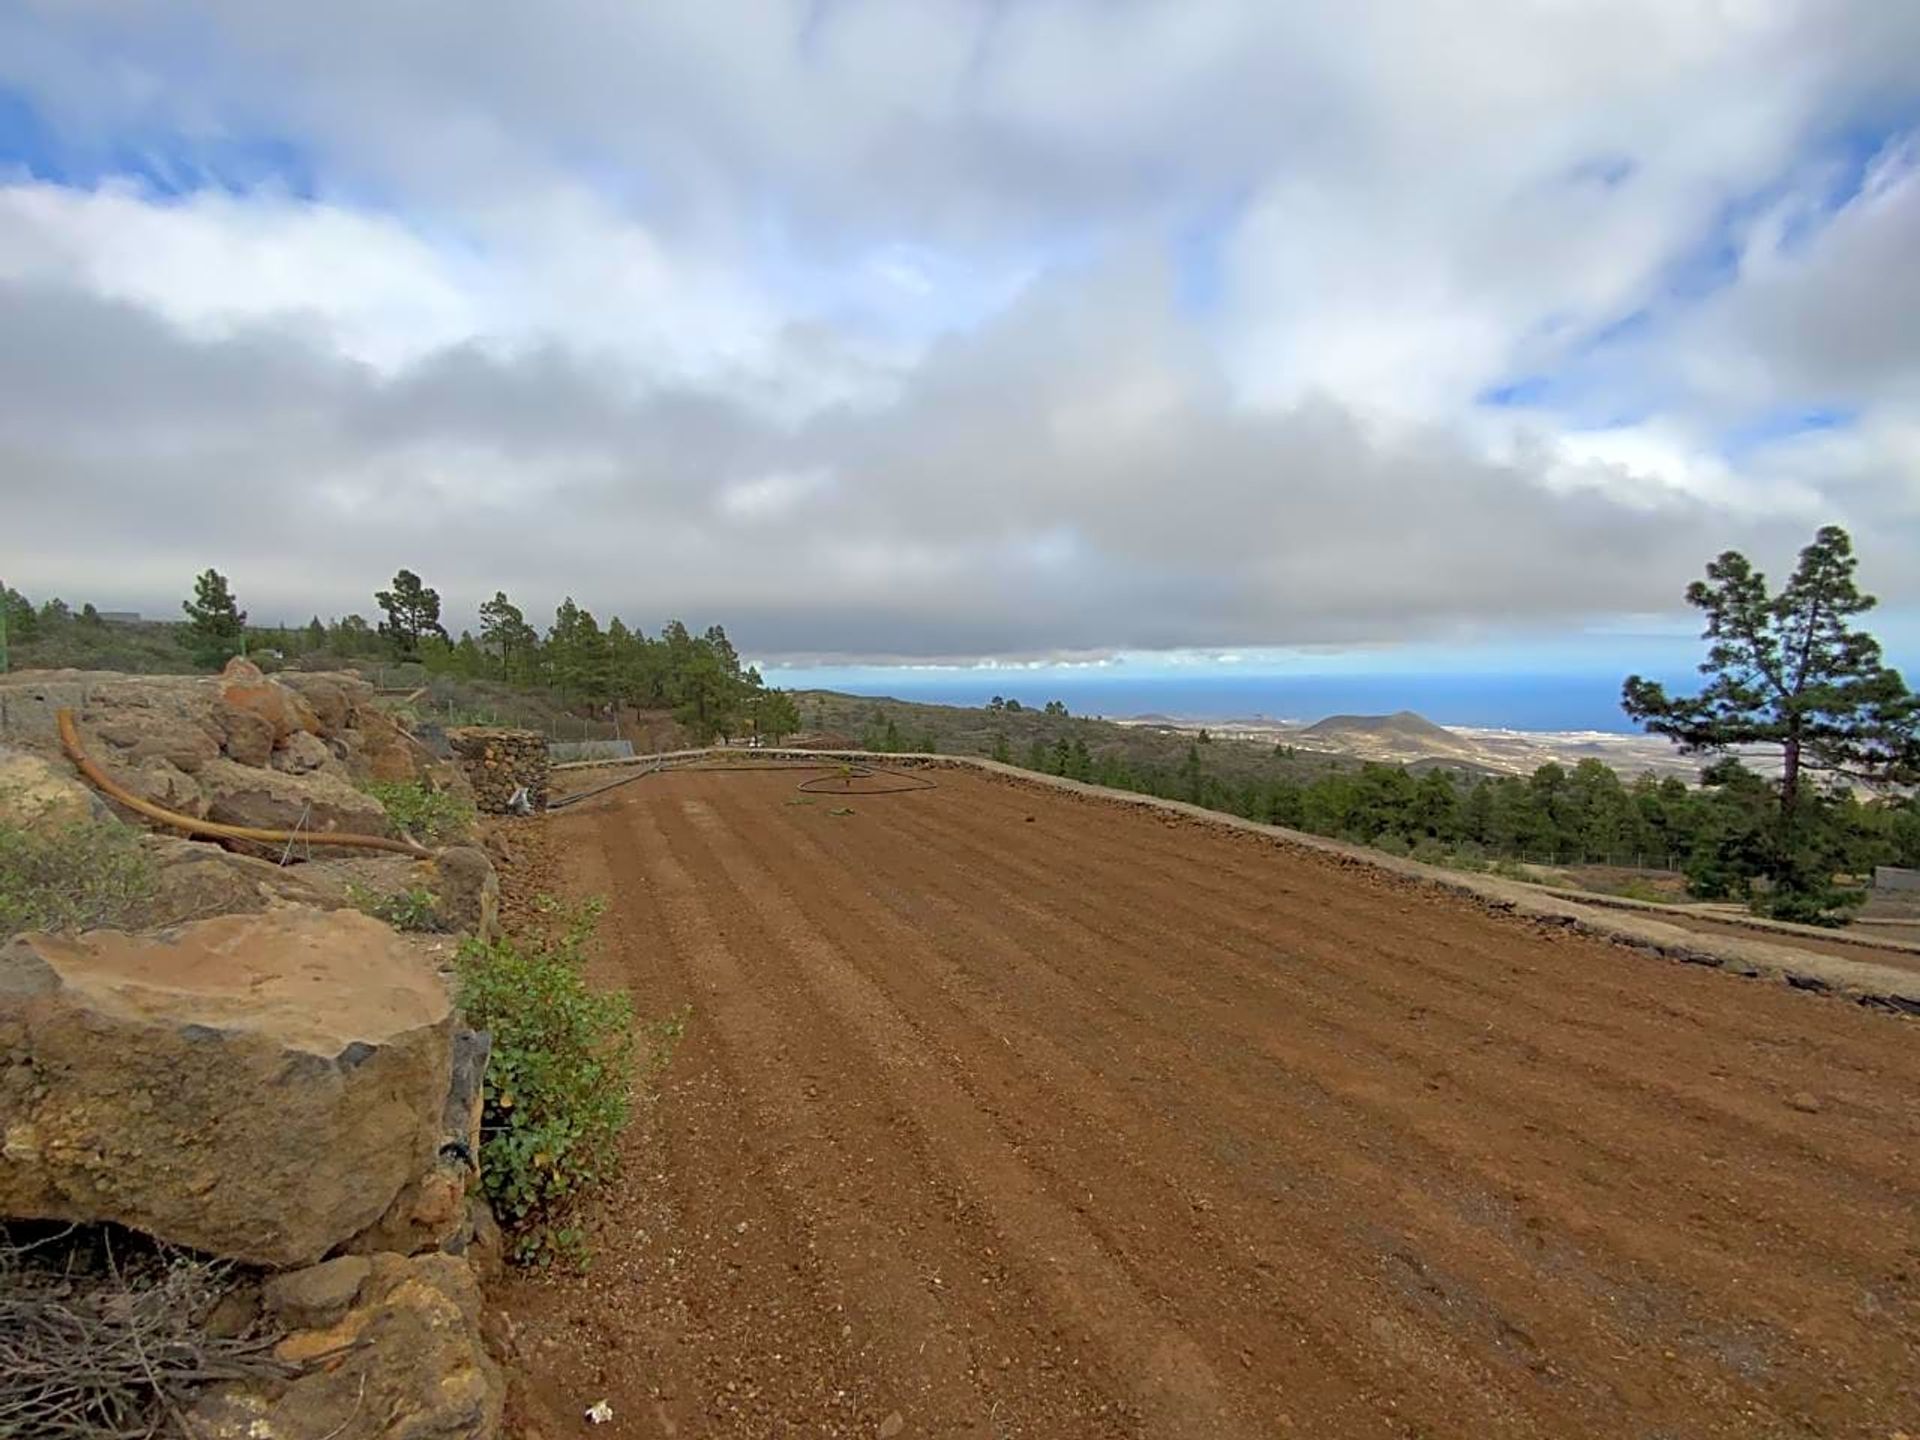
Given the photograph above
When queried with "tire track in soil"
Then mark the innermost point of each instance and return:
(1877, 1217)
(1171, 1384)
(1225, 1111)
(696, 1317)
(826, 1130)
(1713, 1336)
(1331, 978)
(1249, 1282)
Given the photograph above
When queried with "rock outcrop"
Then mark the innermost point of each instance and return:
(261, 1087)
(313, 804)
(403, 1359)
(158, 734)
(35, 794)
(431, 1210)
(197, 881)
(465, 889)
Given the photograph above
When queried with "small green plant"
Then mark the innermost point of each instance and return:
(427, 814)
(1638, 889)
(664, 1036)
(1509, 869)
(841, 810)
(416, 909)
(79, 876)
(558, 1085)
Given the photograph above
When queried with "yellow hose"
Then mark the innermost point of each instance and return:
(70, 741)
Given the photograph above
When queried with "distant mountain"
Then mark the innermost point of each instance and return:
(1401, 725)
(1402, 738)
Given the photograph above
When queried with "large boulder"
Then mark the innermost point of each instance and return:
(244, 690)
(465, 890)
(161, 782)
(431, 1210)
(270, 800)
(136, 734)
(255, 1086)
(377, 748)
(333, 697)
(405, 1361)
(247, 737)
(121, 717)
(36, 794)
(195, 880)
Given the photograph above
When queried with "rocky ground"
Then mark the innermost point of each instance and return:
(246, 1071)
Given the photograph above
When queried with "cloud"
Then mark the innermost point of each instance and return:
(962, 520)
(960, 330)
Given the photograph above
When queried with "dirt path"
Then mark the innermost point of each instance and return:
(1003, 1112)
(1836, 943)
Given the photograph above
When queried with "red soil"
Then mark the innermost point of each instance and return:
(1008, 1113)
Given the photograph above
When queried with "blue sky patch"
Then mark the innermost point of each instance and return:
(164, 163)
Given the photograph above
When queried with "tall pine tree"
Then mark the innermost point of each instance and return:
(1787, 675)
(216, 628)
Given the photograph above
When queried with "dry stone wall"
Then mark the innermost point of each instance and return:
(501, 764)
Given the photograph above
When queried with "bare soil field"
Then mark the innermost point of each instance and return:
(1004, 1112)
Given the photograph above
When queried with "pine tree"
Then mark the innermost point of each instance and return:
(775, 716)
(577, 653)
(1786, 673)
(216, 626)
(413, 612)
(505, 632)
(1080, 762)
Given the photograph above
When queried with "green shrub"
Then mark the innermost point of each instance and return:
(416, 909)
(1638, 889)
(427, 814)
(79, 876)
(558, 1085)
(1824, 904)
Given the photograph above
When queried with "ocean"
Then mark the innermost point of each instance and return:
(1513, 702)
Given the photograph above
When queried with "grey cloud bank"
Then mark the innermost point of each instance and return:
(990, 332)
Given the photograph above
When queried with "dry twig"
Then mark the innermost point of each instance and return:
(113, 1351)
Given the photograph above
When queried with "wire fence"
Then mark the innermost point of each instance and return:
(445, 701)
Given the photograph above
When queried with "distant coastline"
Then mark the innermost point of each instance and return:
(1524, 704)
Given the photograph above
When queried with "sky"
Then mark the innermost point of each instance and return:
(1180, 335)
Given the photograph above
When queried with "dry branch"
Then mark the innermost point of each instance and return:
(113, 1350)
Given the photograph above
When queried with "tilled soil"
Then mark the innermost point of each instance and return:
(1006, 1112)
